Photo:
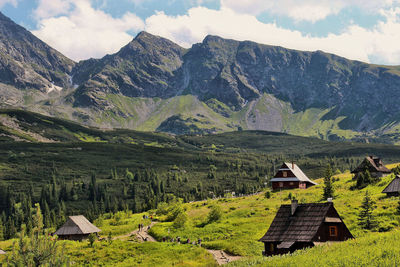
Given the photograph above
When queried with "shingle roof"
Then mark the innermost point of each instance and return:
(77, 225)
(394, 186)
(301, 227)
(375, 165)
(297, 172)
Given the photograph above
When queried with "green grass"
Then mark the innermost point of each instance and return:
(124, 253)
(377, 249)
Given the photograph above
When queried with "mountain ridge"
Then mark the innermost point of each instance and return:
(215, 86)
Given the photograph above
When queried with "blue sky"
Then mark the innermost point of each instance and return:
(366, 30)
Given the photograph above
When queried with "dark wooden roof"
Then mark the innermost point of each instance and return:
(301, 227)
(373, 164)
(394, 186)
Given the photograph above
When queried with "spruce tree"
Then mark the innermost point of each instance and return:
(366, 219)
(38, 249)
(328, 183)
(1, 231)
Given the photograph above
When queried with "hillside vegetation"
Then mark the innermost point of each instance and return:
(243, 221)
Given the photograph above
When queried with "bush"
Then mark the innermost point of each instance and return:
(268, 194)
(180, 220)
(215, 214)
(92, 239)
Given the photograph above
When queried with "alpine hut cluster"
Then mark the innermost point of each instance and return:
(298, 226)
(290, 176)
(76, 228)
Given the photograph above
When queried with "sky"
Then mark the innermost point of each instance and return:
(366, 30)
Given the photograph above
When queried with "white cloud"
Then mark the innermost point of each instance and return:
(12, 2)
(85, 32)
(354, 42)
(304, 10)
(50, 8)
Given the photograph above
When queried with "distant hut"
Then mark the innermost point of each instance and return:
(374, 165)
(2, 252)
(76, 228)
(298, 226)
(393, 189)
(290, 176)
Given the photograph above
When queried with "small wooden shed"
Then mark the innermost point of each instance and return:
(393, 189)
(298, 226)
(374, 165)
(76, 228)
(290, 176)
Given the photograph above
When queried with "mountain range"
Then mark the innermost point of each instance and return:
(218, 85)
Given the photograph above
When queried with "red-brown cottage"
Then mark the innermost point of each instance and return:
(299, 226)
(290, 176)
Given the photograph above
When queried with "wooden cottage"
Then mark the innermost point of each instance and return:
(393, 189)
(298, 226)
(76, 228)
(374, 165)
(290, 176)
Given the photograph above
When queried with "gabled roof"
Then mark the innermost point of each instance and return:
(300, 227)
(77, 225)
(297, 172)
(374, 164)
(394, 186)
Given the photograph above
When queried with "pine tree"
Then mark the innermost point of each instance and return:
(366, 218)
(38, 249)
(1, 231)
(328, 184)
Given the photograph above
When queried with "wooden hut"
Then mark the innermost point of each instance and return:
(290, 176)
(393, 189)
(298, 226)
(374, 165)
(76, 228)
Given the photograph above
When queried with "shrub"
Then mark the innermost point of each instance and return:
(215, 214)
(180, 220)
(92, 239)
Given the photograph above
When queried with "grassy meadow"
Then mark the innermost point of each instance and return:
(244, 221)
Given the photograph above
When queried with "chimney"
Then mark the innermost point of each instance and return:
(292, 165)
(294, 206)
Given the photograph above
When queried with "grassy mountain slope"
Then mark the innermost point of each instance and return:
(218, 85)
(245, 220)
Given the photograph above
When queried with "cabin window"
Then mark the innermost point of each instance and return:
(280, 184)
(291, 183)
(284, 174)
(271, 247)
(332, 230)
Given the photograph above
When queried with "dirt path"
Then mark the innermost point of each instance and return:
(222, 257)
(142, 235)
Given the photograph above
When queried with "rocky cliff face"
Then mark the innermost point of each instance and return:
(28, 63)
(149, 66)
(236, 73)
